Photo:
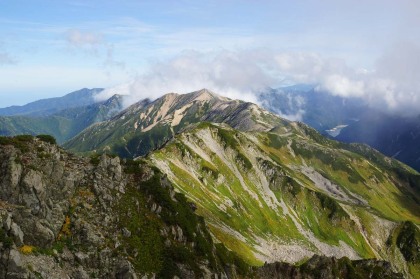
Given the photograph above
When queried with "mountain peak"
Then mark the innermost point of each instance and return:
(115, 98)
(206, 95)
(170, 114)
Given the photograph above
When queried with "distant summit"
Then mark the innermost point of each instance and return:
(65, 123)
(44, 107)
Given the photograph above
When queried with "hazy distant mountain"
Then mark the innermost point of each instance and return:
(44, 107)
(348, 120)
(318, 109)
(63, 124)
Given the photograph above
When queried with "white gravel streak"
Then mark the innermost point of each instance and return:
(215, 147)
(179, 114)
(197, 149)
(329, 187)
(163, 111)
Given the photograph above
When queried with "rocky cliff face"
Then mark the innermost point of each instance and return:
(329, 268)
(67, 217)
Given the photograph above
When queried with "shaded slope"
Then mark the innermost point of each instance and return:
(318, 109)
(394, 136)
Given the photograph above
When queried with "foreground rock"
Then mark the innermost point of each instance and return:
(329, 268)
(67, 217)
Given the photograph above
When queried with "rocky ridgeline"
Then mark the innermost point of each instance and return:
(63, 216)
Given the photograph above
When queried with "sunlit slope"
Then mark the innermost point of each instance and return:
(288, 193)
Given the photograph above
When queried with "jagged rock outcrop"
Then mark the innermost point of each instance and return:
(329, 268)
(63, 216)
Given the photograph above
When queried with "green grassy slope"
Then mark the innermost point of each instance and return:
(266, 193)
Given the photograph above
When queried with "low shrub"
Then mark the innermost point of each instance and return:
(47, 138)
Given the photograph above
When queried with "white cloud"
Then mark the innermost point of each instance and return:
(227, 73)
(94, 43)
(343, 86)
(393, 85)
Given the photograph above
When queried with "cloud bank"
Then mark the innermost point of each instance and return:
(227, 73)
(393, 85)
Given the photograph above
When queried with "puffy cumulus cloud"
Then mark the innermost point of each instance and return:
(393, 85)
(343, 86)
(232, 74)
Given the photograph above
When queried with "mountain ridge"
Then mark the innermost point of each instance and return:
(166, 116)
(269, 189)
(48, 106)
(63, 124)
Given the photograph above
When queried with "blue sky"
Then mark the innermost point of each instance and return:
(49, 48)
